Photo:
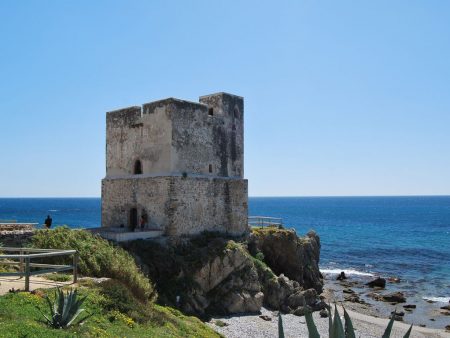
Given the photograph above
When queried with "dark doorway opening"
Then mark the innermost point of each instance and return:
(133, 218)
(137, 167)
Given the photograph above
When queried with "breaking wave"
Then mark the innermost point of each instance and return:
(348, 272)
(437, 299)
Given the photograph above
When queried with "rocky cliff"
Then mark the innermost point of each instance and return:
(209, 274)
(286, 253)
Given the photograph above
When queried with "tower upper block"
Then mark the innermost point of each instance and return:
(173, 136)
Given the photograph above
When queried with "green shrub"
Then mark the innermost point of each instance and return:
(58, 277)
(117, 297)
(97, 258)
(260, 256)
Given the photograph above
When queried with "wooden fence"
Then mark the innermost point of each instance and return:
(22, 257)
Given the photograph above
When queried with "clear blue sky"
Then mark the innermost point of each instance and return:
(341, 97)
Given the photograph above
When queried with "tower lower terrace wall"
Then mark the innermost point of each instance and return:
(178, 205)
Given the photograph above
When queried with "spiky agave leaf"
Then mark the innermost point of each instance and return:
(312, 329)
(337, 329)
(280, 326)
(59, 301)
(349, 330)
(65, 309)
(82, 319)
(50, 305)
(76, 304)
(408, 333)
(74, 317)
(68, 304)
(387, 332)
(330, 321)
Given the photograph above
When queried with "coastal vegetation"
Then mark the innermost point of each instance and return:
(20, 316)
(115, 296)
(97, 258)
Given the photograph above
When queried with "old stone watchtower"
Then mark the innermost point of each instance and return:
(179, 163)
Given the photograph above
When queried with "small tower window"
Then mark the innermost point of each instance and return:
(137, 167)
(210, 111)
(236, 113)
(210, 168)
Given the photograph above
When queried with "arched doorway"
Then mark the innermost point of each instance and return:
(133, 219)
(137, 167)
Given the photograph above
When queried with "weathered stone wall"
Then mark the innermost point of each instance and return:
(179, 205)
(174, 136)
(131, 136)
(209, 135)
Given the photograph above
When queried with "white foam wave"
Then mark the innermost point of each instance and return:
(437, 299)
(53, 210)
(348, 272)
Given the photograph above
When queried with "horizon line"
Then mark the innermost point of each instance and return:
(254, 196)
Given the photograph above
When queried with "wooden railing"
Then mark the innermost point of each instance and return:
(262, 221)
(22, 257)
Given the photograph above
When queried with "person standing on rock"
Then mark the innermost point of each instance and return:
(48, 222)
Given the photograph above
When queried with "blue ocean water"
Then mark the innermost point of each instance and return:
(407, 237)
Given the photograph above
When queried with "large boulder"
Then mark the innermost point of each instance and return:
(394, 297)
(288, 296)
(286, 253)
(377, 282)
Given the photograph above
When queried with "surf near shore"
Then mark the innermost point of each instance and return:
(379, 301)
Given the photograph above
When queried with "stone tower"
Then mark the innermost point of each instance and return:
(180, 163)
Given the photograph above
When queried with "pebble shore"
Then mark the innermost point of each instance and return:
(256, 327)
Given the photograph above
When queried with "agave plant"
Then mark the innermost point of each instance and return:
(335, 327)
(280, 326)
(65, 309)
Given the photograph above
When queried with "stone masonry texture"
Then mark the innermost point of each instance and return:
(180, 163)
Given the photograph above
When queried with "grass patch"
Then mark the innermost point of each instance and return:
(20, 317)
(58, 277)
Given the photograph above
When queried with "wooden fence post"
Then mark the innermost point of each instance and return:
(27, 273)
(21, 263)
(75, 267)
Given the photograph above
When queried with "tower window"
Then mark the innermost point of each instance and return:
(210, 168)
(236, 113)
(210, 111)
(137, 167)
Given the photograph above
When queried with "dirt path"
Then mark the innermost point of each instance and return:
(7, 283)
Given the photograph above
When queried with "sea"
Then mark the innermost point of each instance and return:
(403, 237)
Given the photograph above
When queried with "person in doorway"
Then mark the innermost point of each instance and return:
(144, 221)
(48, 222)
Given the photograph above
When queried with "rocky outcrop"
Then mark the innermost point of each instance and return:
(209, 274)
(202, 276)
(286, 253)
